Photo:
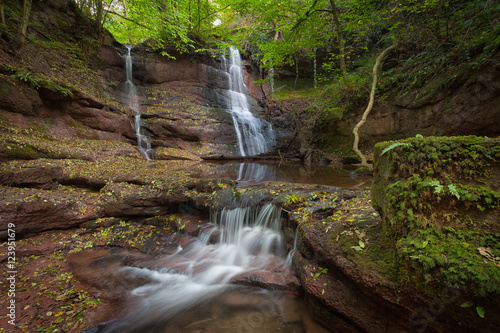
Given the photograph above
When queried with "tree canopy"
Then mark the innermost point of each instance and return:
(276, 32)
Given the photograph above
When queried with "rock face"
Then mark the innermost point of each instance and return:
(77, 116)
(63, 194)
(359, 274)
(342, 294)
(472, 109)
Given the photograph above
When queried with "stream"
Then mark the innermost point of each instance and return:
(199, 286)
(256, 173)
(235, 275)
(207, 283)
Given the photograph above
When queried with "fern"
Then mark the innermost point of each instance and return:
(394, 145)
(453, 190)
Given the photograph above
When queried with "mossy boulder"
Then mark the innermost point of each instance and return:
(439, 198)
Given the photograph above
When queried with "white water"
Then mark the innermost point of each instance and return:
(132, 94)
(255, 136)
(250, 241)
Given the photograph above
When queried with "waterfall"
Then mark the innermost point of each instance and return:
(289, 257)
(250, 241)
(132, 101)
(255, 136)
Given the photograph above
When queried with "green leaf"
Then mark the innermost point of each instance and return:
(361, 244)
(480, 311)
(424, 244)
(466, 304)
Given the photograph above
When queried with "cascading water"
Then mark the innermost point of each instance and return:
(132, 93)
(255, 136)
(250, 240)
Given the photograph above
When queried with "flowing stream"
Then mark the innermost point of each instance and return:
(191, 289)
(255, 136)
(132, 101)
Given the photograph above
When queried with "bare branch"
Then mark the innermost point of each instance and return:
(355, 131)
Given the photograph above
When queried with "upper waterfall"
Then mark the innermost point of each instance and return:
(132, 101)
(255, 136)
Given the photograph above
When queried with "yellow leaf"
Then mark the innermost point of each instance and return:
(59, 313)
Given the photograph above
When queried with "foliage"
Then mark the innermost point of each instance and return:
(469, 157)
(177, 24)
(394, 145)
(39, 82)
(27, 77)
(339, 98)
(454, 256)
(440, 211)
(440, 43)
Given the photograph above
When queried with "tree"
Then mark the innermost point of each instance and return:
(333, 10)
(23, 27)
(2, 13)
(163, 22)
(355, 131)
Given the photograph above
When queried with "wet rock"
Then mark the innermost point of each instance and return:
(270, 280)
(345, 298)
(163, 70)
(100, 268)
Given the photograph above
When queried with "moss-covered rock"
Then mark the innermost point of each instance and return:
(439, 198)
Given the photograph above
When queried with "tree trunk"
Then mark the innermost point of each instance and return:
(2, 13)
(340, 40)
(370, 104)
(25, 19)
(99, 14)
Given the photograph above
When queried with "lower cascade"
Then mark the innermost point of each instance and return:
(255, 136)
(191, 289)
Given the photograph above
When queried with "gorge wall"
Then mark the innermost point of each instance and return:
(76, 90)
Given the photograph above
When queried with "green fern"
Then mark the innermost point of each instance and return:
(453, 190)
(394, 145)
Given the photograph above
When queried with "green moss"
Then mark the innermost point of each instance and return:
(333, 143)
(440, 202)
(15, 151)
(459, 259)
(448, 158)
(48, 121)
(5, 88)
(417, 203)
